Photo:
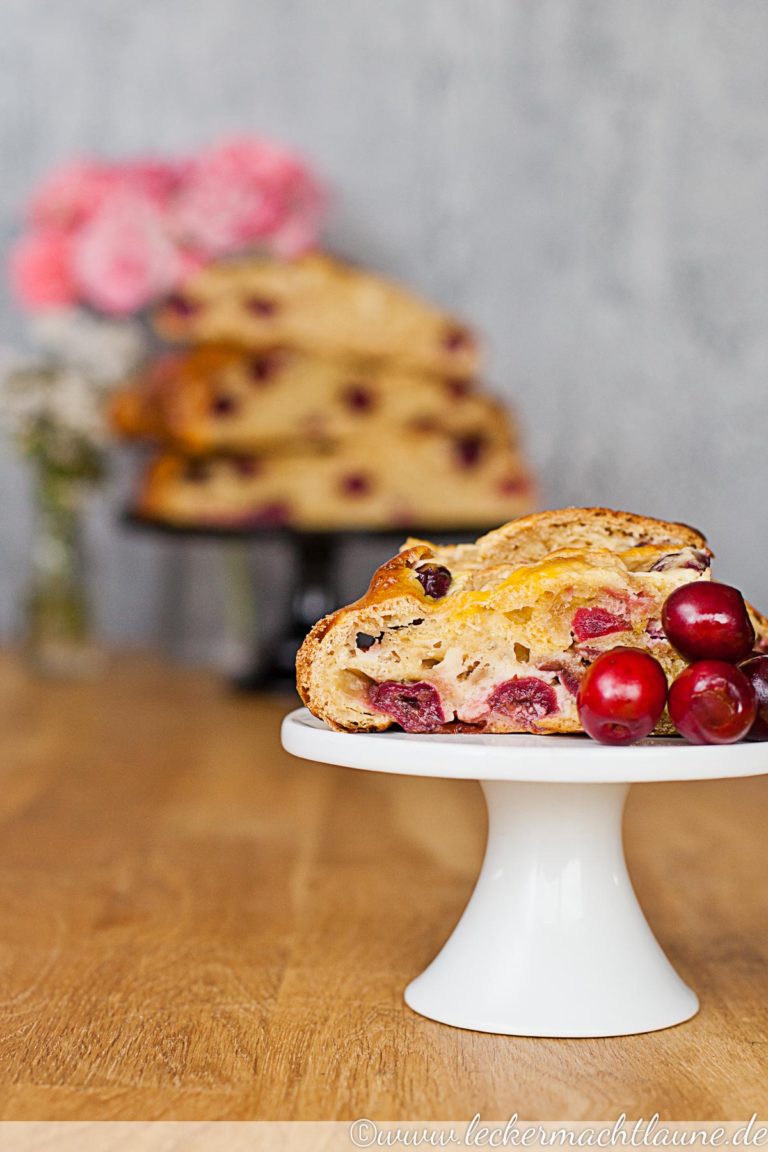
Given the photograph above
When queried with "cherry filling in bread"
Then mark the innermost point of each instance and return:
(261, 306)
(355, 484)
(246, 466)
(458, 388)
(182, 306)
(415, 707)
(463, 726)
(588, 623)
(469, 450)
(273, 515)
(511, 485)
(473, 675)
(471, 667)
(525, 699)
(694, 558)
(358, 398)
(569, 675)
(456, 338)
(435, 579)
(264, 368)
(223, 405)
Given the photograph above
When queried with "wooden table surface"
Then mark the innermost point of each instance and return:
(193, 925)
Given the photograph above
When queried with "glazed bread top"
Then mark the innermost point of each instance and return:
(531, 538)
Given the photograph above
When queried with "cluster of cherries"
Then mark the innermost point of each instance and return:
(721, 697)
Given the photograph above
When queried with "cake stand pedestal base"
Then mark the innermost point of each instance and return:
(553, 941)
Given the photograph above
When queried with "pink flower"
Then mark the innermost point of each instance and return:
(301, 203)
(239, 193)
(158, 180)
(302, 220)
(40, 270)
(123, 258)
(117, 236)
(189, 264)
(70, 195)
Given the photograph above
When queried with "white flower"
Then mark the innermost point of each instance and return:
(62, 397)
(22, 395)
(75, 404)
(68, 401)
(105, 349)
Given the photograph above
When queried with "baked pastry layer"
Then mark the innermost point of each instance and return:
(322, 305)
(222, 398)
(495, 636)
(407, 478)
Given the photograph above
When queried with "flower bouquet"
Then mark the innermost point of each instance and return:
(102, 243)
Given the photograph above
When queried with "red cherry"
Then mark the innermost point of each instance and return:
(589, 623)
(274, 515)
(456, 337)
(525, 699)
(622, 696)
(435, 579)
(263, 368)
(708, 621)
(415, 707)
(182, 305)
(712, 702)
(261, 306)
(756, 671)
(512, 485)
(223, 405)
(569, 674)
(458, 388)
(358, 398)
(355, 484)
(246, 466)
(469, 450)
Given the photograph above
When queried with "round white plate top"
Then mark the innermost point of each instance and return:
(545, 759)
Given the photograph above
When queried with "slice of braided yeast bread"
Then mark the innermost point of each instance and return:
(318, 303)
(220, 398)
(408, 478)
(495, 636)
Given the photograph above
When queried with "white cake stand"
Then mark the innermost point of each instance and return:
(553, 941)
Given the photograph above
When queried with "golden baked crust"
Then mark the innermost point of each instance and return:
(321, 304)
(137, 410)
(529, 606)
(760, 623)
(218, 398)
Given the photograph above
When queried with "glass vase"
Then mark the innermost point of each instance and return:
(58, 639)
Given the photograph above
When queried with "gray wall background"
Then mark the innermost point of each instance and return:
(587, 180)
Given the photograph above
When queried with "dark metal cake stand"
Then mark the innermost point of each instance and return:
(314, 578)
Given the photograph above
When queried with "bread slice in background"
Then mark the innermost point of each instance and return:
(321, 304)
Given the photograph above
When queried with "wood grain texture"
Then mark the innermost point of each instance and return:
(193, 925)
